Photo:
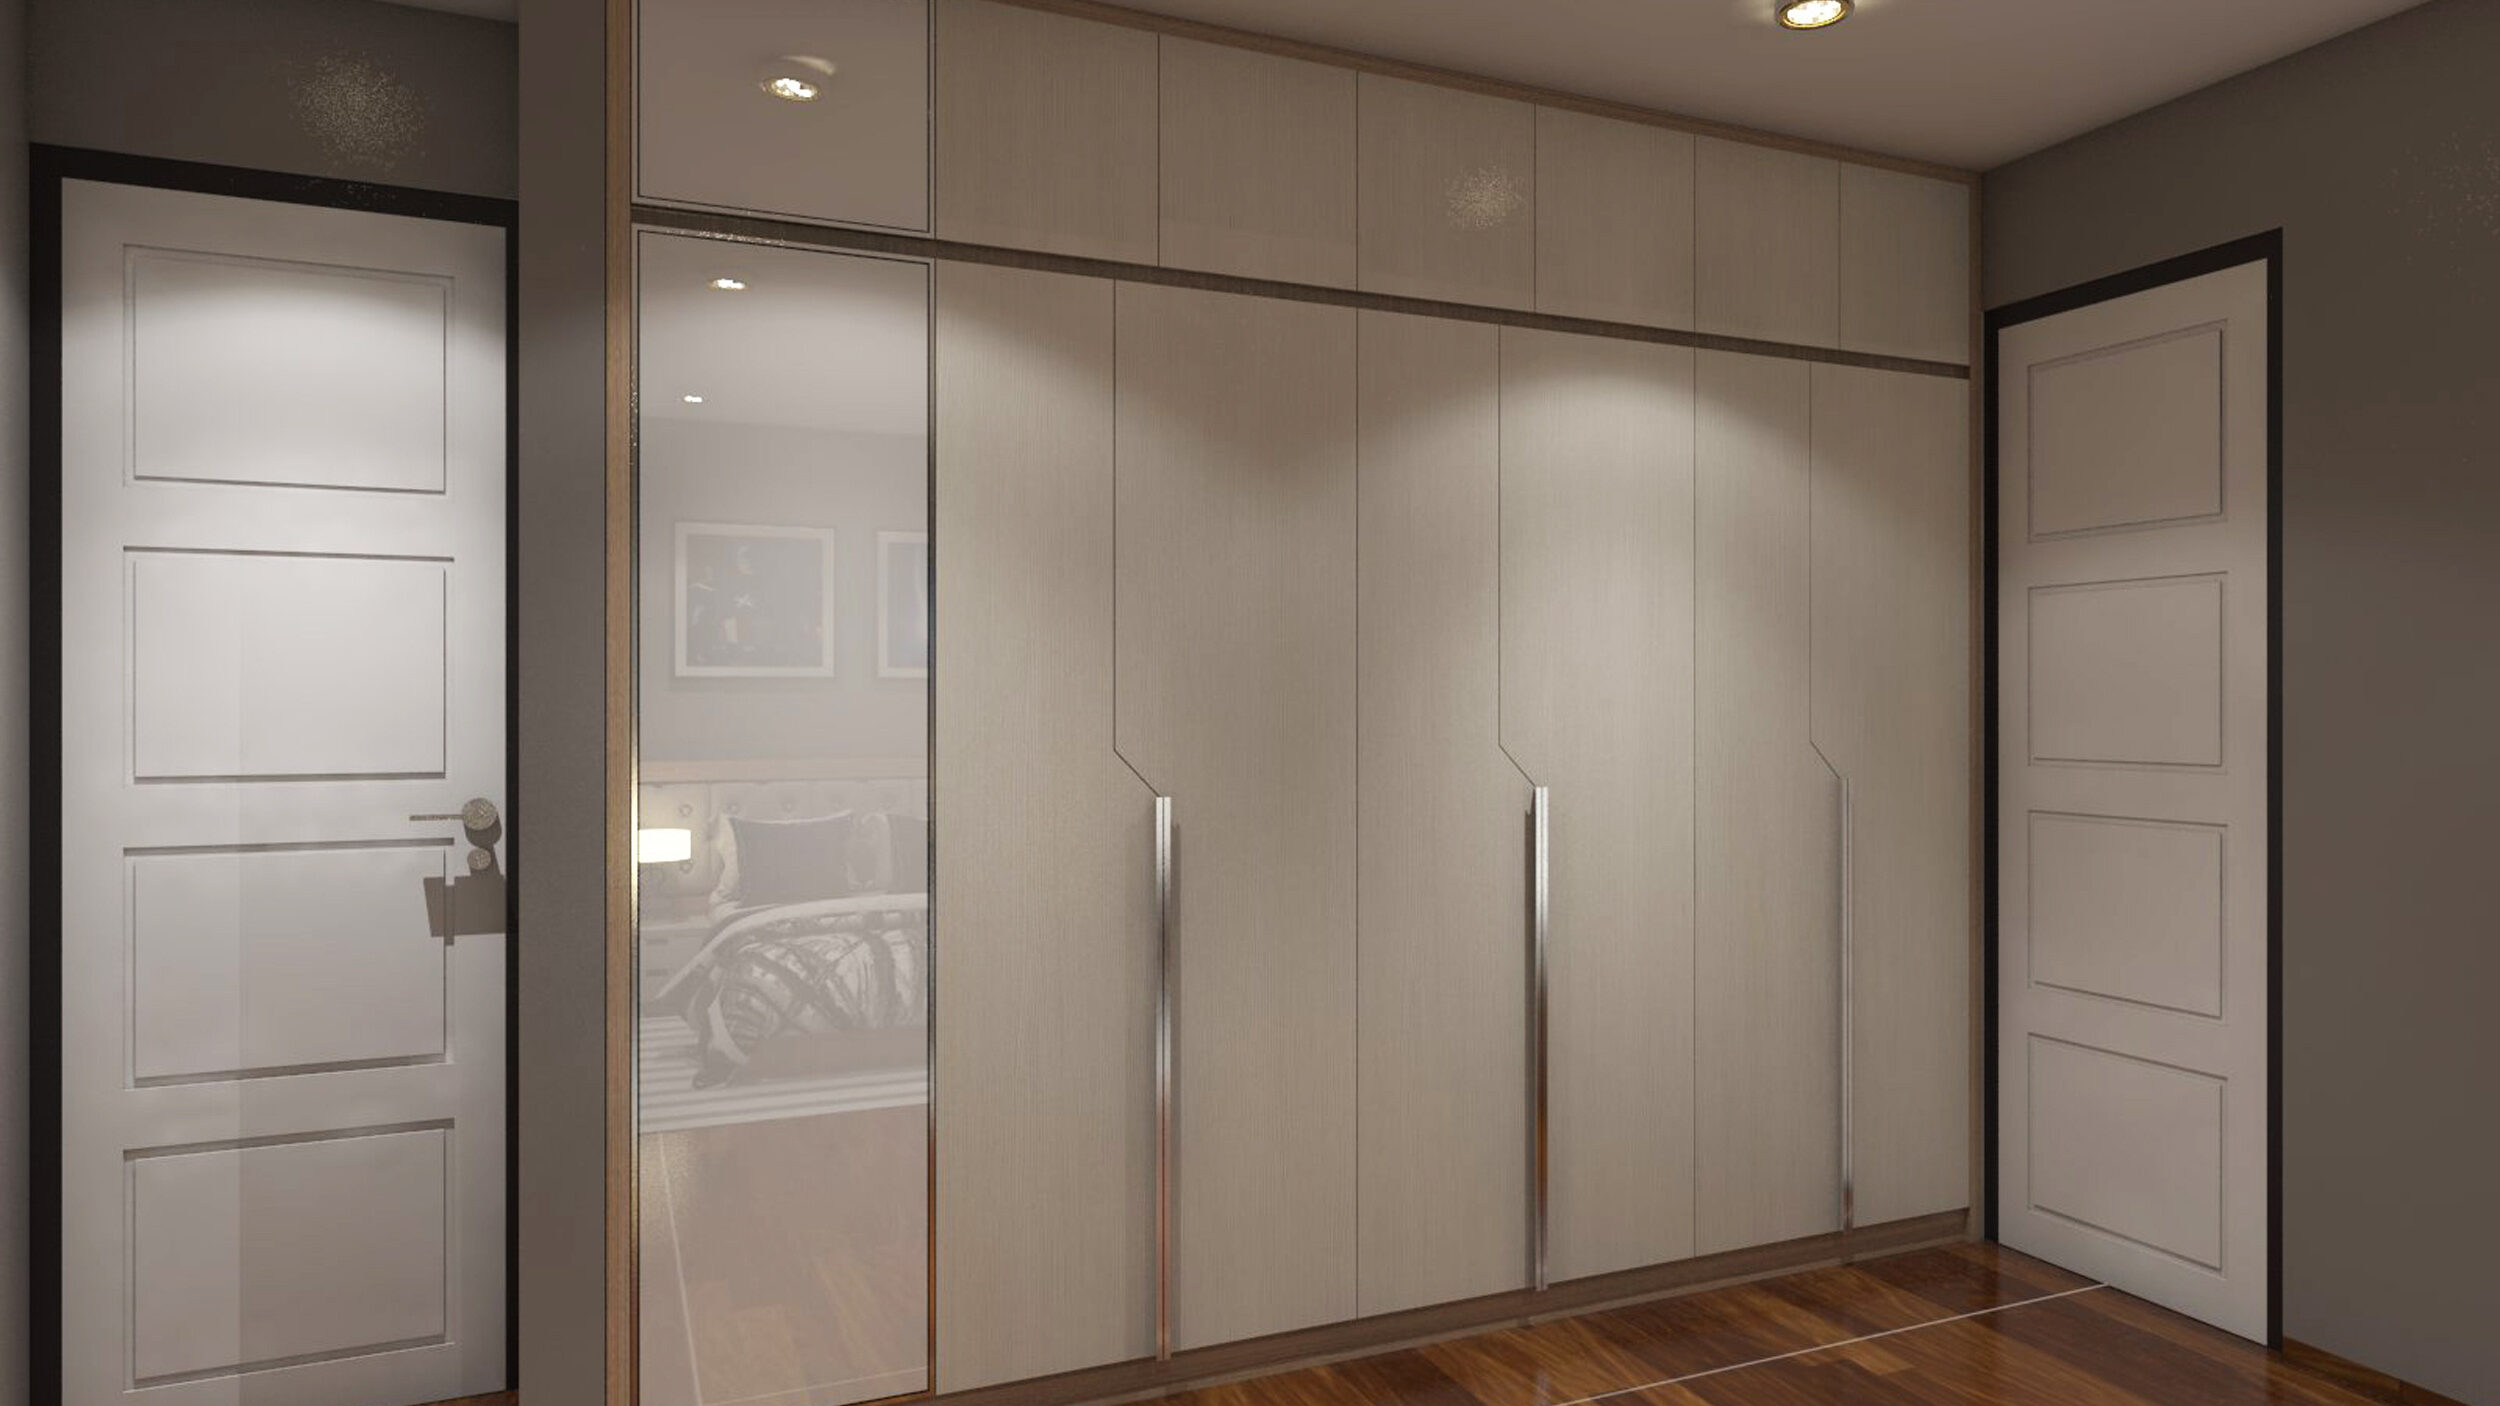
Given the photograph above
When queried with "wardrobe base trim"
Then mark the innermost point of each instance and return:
(1207, 1366)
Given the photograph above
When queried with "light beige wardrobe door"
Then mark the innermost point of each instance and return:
(1236, 492)
(1905, 247)
(1767, 900)
(1614, 219)
(1597, 704)
(1448, 193)
(1045, 1131)
(1766, 243)
(1444, 860)
(1892, 713)
(1258, 164)
(1045, 132)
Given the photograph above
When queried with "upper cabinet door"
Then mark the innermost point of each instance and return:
(1258, 164)
(847, 143)
(1767, 243)
(1046, 132)
(1905, 246)
(1614, 220)
(1448, 194)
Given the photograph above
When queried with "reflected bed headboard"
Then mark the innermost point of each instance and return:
(693, 796)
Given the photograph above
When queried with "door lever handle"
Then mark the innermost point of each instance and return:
(478, 814)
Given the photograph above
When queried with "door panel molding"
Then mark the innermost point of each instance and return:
(2264, 249)
(51, 167)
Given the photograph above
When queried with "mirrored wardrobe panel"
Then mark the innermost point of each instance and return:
(783, 824)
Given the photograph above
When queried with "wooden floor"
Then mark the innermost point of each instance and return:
(1968, 1325)
(1964, 1325)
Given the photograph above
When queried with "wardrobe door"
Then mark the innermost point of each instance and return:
(1892, 712)
(1766, 907)
(1597, 704)
(1045, 132)
(1614, 219)
(1766, 243)
(1443, 836)
(1258, 164)
(1905, 246)
(1047, 962)
(1236, 599)
(1448, 193)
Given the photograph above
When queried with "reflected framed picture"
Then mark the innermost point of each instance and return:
(754, 602)
(902, 605)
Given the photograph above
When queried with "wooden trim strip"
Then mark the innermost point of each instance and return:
(1363, 1336)
(792, 235)
(624, 1269)
(1361, 62)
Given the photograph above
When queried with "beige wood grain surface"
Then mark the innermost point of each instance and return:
(1258, 165)
(1905, 262)
(1766, 243)
(1767, 928)
(1597, 703)
(1614, 220)
(1236, 599)
(1448, 194)
(1046, 132)
(1892, 712)
(1444, 972)
(1045, 953)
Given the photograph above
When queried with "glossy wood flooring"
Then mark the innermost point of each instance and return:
(1965, 1325)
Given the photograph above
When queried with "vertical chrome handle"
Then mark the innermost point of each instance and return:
(1540, 931)
(1848, 1005)
(1163, 1078)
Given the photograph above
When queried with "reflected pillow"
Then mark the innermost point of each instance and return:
(788, 861)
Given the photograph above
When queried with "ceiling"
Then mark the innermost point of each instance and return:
(1970, 83)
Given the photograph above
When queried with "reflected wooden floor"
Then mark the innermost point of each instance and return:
(1964, 1325)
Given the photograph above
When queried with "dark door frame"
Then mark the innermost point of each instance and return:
(50, 167)
(2266, 248)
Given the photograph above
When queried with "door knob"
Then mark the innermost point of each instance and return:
(477, 814)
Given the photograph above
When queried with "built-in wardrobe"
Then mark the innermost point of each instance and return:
(1450, 709)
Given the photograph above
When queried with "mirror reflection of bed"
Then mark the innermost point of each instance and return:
(783, 1082)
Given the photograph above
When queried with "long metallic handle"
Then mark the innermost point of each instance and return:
(1848, 1005)
(1163, 1078)
(1540, 929)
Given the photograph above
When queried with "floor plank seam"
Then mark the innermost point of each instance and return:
(1824, 1347)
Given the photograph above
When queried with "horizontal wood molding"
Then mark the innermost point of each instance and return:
(2361, 1381)
(1473, 83)
(1206, 1366)
(861, 241)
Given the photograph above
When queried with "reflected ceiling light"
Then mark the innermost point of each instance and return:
(1811, 14)
(691, 399)
(727, 284)
(798, 78)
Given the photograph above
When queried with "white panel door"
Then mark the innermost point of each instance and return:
(2132, 908)
(282, 676)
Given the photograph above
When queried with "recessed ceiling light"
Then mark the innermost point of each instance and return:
(691, 399)
(798, 78)
(1811, 14)
(727, 284)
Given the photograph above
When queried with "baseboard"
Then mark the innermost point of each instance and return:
(1311, 1346)
(2367, 1382)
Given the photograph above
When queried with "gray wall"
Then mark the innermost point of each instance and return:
(15, 832)
(352, 89)
(2378, 154)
